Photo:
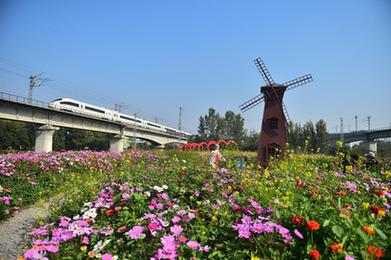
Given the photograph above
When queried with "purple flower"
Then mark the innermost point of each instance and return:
(175, 219)
(52, 248)
(349, 257)
(176, 230)
(107, 256)
(136, 232)
(298, 234)
(193, 244)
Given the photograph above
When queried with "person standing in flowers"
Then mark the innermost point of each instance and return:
(215, 157)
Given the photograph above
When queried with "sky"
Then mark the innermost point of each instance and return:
(152, 57)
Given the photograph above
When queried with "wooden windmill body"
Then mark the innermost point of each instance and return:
(272, 139)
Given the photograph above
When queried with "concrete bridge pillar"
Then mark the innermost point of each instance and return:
(44, 138)
(160, 146)
(117, 143)
(372, 146)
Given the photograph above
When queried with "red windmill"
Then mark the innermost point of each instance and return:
(272, 138)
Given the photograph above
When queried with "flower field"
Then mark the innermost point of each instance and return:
(173, 206)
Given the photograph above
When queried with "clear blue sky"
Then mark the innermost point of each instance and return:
(155, 56)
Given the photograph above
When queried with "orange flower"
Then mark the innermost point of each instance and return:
(336, 247)
(313, 225)
(314, 254)
(382, 212)
(347, 214)
(369, 230)
(375, 251)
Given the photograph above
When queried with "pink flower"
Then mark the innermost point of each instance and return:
(193, 244)
(191, 215)
(52, 248)
(85, 240)
(107, 256)
(153, 226)
(182, 212)
(298, 234)
(176, 230)
(182, 239)
(175, 219)
(167, 240)
(136, 232)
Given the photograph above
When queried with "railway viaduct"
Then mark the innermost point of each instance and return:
(49, 120)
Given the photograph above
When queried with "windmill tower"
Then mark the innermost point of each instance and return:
(272, 138)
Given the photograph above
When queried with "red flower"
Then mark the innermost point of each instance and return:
(341, 193)
(375, 209)
(296, 219)
(378, 192)
(314, 254)
(375, 251)
(336, 247)
(299, 184)
(117, 209)
(109, 212)
(122, 229)
(313, 225)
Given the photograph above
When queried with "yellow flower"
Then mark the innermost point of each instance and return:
(99, 255)
(381, 213)
(91, 254)
(365, 205)
(214, 219)
(198, 202)
(255, 258)
(349, 168)
(236, 193)
(83, 248)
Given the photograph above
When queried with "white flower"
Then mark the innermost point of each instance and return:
(77, 217)
(165, 187)
(157, 188)
(147, 193)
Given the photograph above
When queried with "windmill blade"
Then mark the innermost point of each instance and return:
(251, 103)
(298, 82)
(287, 118)
(264, 72)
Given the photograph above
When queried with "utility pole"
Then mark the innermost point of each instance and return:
(134, 133)
(35, 81)
(341, 130)
(355, 118)
(369, 123)
(180, 119)
(117, 107)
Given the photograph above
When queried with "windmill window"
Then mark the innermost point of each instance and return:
(273, 123)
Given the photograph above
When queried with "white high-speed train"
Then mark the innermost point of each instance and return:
(79, 107)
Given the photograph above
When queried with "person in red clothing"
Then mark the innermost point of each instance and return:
(215, 157)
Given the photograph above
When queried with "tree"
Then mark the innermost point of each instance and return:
(309, 135)
(15, 136)
(322, 136)
(233, 127)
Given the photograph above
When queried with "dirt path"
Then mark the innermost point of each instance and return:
(14, 232)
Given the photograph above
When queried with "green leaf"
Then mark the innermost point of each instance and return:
(326, 223)
(380, 233)
(362, 235)
(338, 230)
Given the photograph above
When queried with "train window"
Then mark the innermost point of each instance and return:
(129, 118)
(158, 126)
(69, 103)
(95, 110)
